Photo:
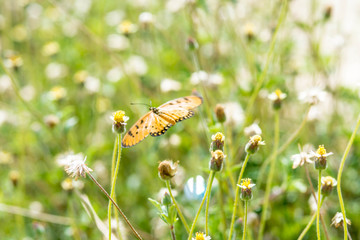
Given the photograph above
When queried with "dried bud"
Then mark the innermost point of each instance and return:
(119, 124)
(220, 113)
(192, 44)
(327, 185)
(167, 169)
(320, 158)
(254, 144)
(217, 143)
(246, 189)
(14, 176)
(217, 160)
(51, 121)
(166, 200)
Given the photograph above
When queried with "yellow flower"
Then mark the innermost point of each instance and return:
(201, 236)
(246, 184)
(218, 136)
(57, 93)
(127, 27)
(277, 95)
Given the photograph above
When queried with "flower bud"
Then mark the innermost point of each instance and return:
(217, 160)
(166, 200)
(246, 189)
(167, 169)
(249, 32)
(192, 44)
(119, 124)
(327, 185)
(328, 12)
(220, 113)
(254, 144)
(51, 120)
(218, 141)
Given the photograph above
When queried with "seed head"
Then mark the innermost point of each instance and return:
(217, 160)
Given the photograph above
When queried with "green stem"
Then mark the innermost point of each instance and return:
(114, 177)
(207, 207)
(271, 175)
(318, 207)
(261, 79)
(211, 178)
(115, 204)
(237, 196)
(182, 218)
(283, 147)
(221, 202)
(306, 229)
(342, 163)
(245, 219)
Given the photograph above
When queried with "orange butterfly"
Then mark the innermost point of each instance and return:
(160, 119)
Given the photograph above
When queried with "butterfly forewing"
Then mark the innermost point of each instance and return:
(139, 130)
(189, 102)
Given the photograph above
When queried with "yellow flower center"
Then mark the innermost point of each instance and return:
(278, 93)
(218, 154)
(328, 181)
(119, 116)
(200, 236)
(219, 136)
(126, 26)
(246, 182)
(256, 138)
(321, 150)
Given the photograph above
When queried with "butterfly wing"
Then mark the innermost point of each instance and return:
(189, 102)
(174, 111)
(139, 130)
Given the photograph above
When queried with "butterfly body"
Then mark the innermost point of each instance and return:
(158, 120)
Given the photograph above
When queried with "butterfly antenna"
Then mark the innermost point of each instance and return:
(140, 104)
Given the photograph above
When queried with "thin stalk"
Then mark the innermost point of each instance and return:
(172, 231)
(182, 218)
(207, 207)
(237, 196)
(306, 229)
(261, 79)
(245, 219)
(341, 168)
(211, 178)
(115, 204)
(221, 201)
(314, 195)
(318, 208)
(114, 177)
(271, 175)
(283, 146)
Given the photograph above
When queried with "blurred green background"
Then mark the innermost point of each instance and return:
(70, 64)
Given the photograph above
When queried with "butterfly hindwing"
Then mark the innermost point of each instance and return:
(138, 131)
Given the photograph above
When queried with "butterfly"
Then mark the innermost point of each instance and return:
(158, 120)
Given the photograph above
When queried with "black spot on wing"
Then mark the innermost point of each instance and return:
(161, 131)
(189, 115)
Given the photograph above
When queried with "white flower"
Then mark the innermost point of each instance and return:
(56, 70)
(300, 159)
(234, 113)
(197, 77)
(136, 65)
(114, 74)
(5, 83)
(313, 96)
(338, 220)
(117, 42)
(146, 18)
(92, 84)
(114, 18)
(277, 95)
(253, 129)
(328, 181)
(168, 85)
